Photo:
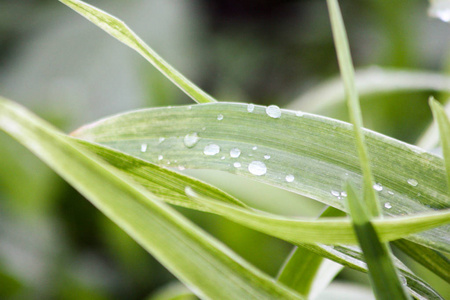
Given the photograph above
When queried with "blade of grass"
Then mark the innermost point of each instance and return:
(120, 31)
(431, 259)
(319, 152)
(444, 132)
(150, 176)
(348, 77)
(197, 259)
(307, 272)
(371, 80)
(382, 272)
(326, 231)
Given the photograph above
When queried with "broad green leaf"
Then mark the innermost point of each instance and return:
(368, 81)
(318, 152)
(120, 31)
(326, 231)
(172, 291)
(307, 272)
(194, 257)
(382, 272)
(354, 109)
(149, 176)
(444, 132)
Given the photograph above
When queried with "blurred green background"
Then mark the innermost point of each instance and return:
(53, 243)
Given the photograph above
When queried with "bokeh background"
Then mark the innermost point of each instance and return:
(54, 244)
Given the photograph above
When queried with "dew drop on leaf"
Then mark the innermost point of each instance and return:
(335, 193)
(211, 149)
(237, 164)
(273, 111)
(191, 139)
(255, 148)
(160, 157)
(257, 168)
(235, 152)
(290, 178)
(143, 147)
(220, 117)
(267, 156)
(388, 205)
(161, 139)
(378, 187)
(250, 107)
(412, 182)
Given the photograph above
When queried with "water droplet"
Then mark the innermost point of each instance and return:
(168, 162)
(273, 111)
(161, 139)
(211, 149)
(257, 168)
(220, 117)
(388, 205)
(254, 148)
(335, 193)
(378, 187)
(344, 194)
(390, 192)
(189, 107)
(413, 182)
(235, 152)
(237, 165)
(223, 157)
(299, 114)
(290, 178)
(267, 156)
(191, 139)
(203, 128)
(250, 107)
(160, 157)
(143, 147)
(403, 280)
(181, 168)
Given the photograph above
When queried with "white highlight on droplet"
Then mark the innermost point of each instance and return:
(191, 139)
(388, 205)
(143, 147)
(378, 187)
(220, 117)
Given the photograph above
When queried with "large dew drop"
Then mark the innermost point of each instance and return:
(191, 139)
(377, 187)
(257, 168)
(211, 149)
(273, 111)
(235, 152)
(440, 9)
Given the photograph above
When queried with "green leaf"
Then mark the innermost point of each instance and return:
(371, 80)
(382, 272)
(149, 176)
(444, 132)
(120, 31)
(319, 152)
(326, 231)
(194, 257)
(431, 259)
(307, 272)
(348, 77)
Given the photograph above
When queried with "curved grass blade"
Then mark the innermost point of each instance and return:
(354, 109)
(319, 153)
(194, 257)
(333, 231)
(307, 272)
(431, 259)
(149, 176)
(444, 132)
(120, 31)
(368, 81)
(382, 272)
